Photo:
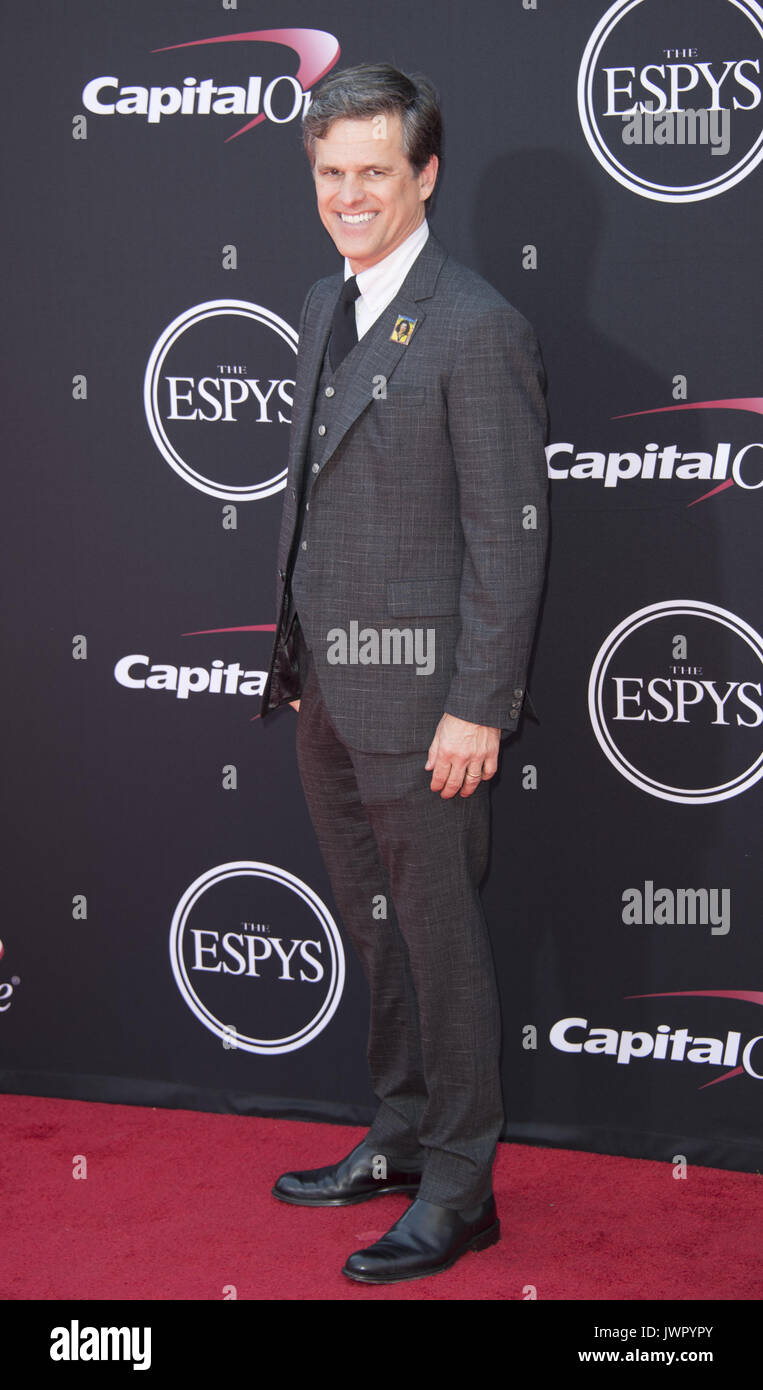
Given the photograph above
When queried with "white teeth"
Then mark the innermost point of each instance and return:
(356, 217)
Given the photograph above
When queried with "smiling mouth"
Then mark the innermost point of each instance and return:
(356, 219)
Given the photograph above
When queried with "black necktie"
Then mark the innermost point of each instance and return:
(344, 334)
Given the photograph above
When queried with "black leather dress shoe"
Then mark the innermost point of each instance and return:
(341, 1184)
(426, 1240)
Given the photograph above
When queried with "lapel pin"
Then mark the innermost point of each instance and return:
(402, 331)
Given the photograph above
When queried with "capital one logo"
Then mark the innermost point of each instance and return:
(723, 466)
(675, 697)
(218, 392)
(7, 987)
(668, 1043)
(282, 99)
(257, 957)
(669, 95)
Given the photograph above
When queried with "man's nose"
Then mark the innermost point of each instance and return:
(351, 190)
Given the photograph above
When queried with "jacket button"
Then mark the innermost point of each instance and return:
(304, 545)
(321, 430)
(316, 468)
(329, 391)
(281, 574)
(519, 691)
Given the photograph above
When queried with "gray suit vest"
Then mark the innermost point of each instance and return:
(327, 399)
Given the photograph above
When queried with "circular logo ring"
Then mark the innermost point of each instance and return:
(213, 308)
(253, 869)
(625, 629)
(664, 193)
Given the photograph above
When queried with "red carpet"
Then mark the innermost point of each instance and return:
(176, 1205)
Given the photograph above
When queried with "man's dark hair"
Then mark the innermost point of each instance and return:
(373, 89)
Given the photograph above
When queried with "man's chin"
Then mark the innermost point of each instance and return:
(353, 246)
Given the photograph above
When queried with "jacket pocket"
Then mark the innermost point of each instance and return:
(422, 597)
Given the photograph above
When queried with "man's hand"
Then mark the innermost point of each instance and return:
(295, 705)
(462, 755)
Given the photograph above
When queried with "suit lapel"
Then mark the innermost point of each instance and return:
(369, 368)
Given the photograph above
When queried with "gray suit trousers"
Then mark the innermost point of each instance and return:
(434, 1033)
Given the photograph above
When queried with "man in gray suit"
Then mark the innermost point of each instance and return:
(411, 563)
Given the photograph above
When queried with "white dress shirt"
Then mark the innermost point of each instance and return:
(380, 283)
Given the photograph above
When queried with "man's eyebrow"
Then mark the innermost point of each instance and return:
(324, 164)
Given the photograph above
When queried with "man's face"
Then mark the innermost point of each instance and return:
(369, 197)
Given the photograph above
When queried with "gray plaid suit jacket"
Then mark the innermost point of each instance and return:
(429, 510)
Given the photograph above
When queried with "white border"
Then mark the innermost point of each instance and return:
(703, 795)
(663, 193)
(251, 868)
(212, 308)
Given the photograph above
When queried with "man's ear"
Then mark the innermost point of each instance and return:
(428, 176)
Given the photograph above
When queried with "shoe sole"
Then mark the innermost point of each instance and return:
(407, 1189)
(480, 1242)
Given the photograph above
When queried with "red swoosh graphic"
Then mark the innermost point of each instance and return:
(738, 1071)
(751, 403)
(720, 488)
(752, 996)
(247, 627)
(316, 49)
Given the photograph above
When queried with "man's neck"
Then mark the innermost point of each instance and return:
(418, 234)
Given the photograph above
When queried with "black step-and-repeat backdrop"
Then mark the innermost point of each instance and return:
(170, 936)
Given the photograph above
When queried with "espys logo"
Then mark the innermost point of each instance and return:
(675, 124)
(218, 365)
(256, 984)
(282, 99)
(674, 698)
